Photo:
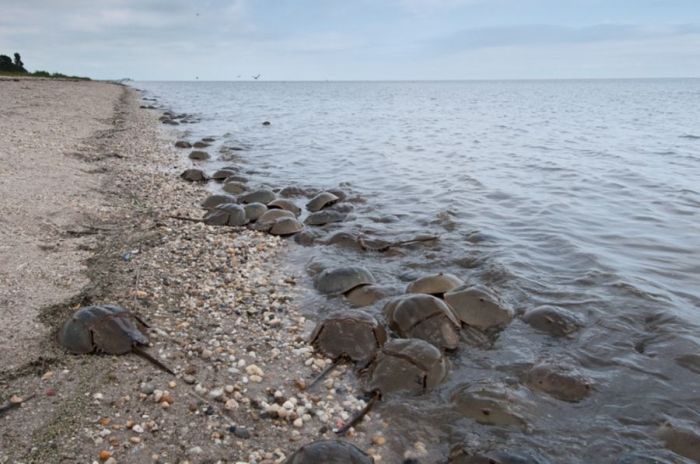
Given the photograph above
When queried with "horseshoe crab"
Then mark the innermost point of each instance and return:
(105, 329)
(253, 211)
(342, 196)
(477, 307)
(200, 145)
(402, 365)
(272, 215)
(226, 214)
(436, 284)
(199, 155)
(560, 381)
(285, 204)
(425, 317)
(496, 457)
(557, 322)
(329, 452)
(292, 191)
(183, 144)
(212, 201)
(285, 226)
(234, 187)
(681, 438)
(490, 404)
(320, 201)
(321, 218)
(351, 334)
(263, 196)
(194, 175)
(341, 280)
(236, 178)
(224, 173)
(365, 295)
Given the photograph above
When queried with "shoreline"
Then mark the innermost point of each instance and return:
(221, 310)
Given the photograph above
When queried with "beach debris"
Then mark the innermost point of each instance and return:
(183, 144)
(320, 201)
(555, 321)
(426, 317)
(329, 452)
(199, 155)
(282, 203)
(215, 200)
(263, 196)
(14, 402)
(561, 381)
(478, 307)
(286, 226)
(366, 295)
(351, 334)
(226, 214)
(194, 175)
(343, 279)
(234, 187)
(321, 218)
(105, 329)
(253, 211)
(490, 403)
(436, 284)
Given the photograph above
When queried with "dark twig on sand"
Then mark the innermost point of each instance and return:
(14, 402)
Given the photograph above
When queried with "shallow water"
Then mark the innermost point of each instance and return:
(579, 194)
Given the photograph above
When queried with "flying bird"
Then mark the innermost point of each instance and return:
(256, 77)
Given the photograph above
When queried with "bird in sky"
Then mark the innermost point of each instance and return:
(256, 77)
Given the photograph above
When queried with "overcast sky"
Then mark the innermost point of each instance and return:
(355, 39)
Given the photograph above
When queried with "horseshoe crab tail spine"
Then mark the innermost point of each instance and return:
(144, 354)
(360, 414)
(324, 373)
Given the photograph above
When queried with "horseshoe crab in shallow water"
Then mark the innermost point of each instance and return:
(341, 280)
(365, 295)
(402, 365)
(234, 187)
(321, 218)
(425, 317)
(253, 211)
(105, 329)
(263, 196)
(561, 381)
(557, 322)
(198, 155)
(288, 205)
(212, 201)
(320, 201)
(496, 457)
(224, 173)
(272, 215)
(285, 226)
(436, 284)
(226, 214)
(478, 307)
(194, 175)
(329, 452)
(490, 404)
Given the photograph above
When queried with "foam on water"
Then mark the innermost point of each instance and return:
(577, 194)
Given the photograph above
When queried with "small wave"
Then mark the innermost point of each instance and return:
(690, 137)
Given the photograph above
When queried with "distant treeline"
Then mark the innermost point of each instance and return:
(16, 68)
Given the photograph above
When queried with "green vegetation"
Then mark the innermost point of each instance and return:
(15, 68)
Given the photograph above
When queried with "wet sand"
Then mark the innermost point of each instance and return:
(89, 183)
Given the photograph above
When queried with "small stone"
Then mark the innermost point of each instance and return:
(104, 455)
(298, 423)
(189, 379)
(241, 432)
(157, 395)
(231, 405)
(135, 440)
(138, 428)
(111, 461)
(97, 396)
(256, 379)
(195, 451)
(105, 421)
(207, 354)
(147, 388)
(378, 440)
(254, 370)
(172, 384)
(47, 375)
(216, 393)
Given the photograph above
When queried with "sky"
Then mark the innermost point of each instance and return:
(355, 39)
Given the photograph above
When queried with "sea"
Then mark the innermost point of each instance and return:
(576, 194)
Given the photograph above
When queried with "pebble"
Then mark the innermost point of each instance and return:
(216, 393)
(195, 450)
(378, 440)
(138, 428)
(147, 388)
(98, 396)
(111, 460)
(189, 379)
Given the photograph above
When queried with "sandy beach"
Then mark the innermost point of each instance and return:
(89, 182)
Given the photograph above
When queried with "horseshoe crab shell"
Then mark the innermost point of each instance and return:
(286, 226)
(425, 317)
(223, 173)
(498, 457)
(352, 333)
(343, 279)
(101, 328)
(490, 403)
(285, 204)
(213, 201)
(253, 211)
(199, 155)
(477, 307)
(436, 284)
(272, 215)
(366, 295)
(226, 214)
(263, 196)
(235, 188)
(194, 175)
(407, 364)
(320, 201)
(329, 452)
(560, 381)
(321, 218)
(557, 322)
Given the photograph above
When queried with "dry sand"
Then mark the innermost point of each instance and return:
(88, 183)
